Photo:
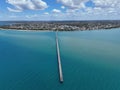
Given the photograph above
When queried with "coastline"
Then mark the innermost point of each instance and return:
(60, 25)
(25, 30)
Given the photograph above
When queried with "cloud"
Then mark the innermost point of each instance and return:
(107, 3)
(77, 4)
(31, 16)
(14, 10)
(69, 10)
(73, 4)
(46, 13)
(56, 11)
(107, 6)
(62, 7)
(96, 7)
(20, 5)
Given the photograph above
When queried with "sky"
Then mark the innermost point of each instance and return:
(50, 10)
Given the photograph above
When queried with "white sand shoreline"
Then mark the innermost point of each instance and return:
(27, 30)
(53, 30)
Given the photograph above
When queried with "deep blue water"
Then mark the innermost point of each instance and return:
(90, 60)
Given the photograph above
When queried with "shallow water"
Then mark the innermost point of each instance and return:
(90, 60)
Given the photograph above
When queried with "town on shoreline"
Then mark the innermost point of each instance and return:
(60, 25)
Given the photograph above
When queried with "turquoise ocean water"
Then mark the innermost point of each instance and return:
(90, 60)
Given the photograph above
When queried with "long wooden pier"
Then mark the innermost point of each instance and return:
(59, 61)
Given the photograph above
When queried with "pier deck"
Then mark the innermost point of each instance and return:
(59, 60)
